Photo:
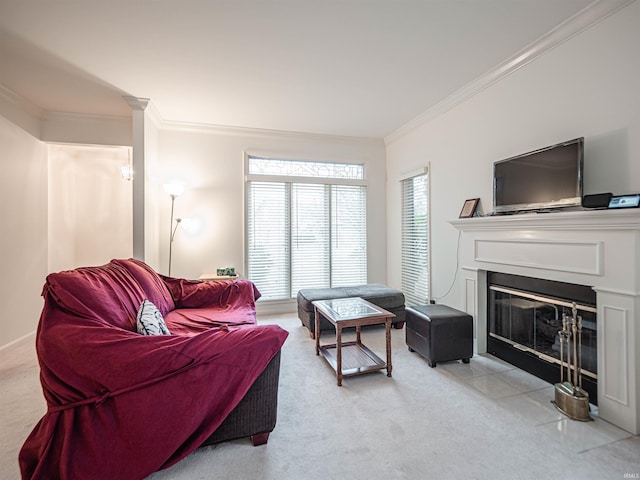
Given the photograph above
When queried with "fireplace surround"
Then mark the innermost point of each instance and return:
(599, 249)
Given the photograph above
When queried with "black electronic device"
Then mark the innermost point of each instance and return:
(625, 201)
(597, 200)
(544, 179)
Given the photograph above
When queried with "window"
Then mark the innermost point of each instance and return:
(306, 225)
(415, 239)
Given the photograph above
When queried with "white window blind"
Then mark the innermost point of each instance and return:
(268, 242)
(348, 235)
(304, 235)
(415, 240)
(310, 246)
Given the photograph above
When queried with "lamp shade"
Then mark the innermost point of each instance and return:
(174, 189)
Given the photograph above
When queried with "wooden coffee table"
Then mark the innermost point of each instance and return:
(352, 358)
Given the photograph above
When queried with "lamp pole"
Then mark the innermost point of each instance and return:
(172, 231)
(173, 189)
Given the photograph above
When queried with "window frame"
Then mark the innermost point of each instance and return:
(409, 176)
(248, 178)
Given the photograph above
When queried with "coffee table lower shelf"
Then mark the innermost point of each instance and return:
(356, 358)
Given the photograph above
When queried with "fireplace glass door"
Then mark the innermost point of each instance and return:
(531, 322)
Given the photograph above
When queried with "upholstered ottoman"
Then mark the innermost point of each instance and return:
(385, 297)
(439, 333)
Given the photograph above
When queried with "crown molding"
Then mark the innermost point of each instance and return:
(149, 106)
(20, 111)
(584, 19)
(41, 123)
(18, 101)
(136, 103)
(79, 117)
(225, 130)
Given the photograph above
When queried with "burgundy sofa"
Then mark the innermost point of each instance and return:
(123, 405)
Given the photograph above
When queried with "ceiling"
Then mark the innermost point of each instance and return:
(357, 68)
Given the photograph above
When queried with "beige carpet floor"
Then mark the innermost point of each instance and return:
(485, 420)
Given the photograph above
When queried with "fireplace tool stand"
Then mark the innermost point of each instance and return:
(570, 398)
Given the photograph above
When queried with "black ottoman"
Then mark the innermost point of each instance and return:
(390, 299)
(439, 333)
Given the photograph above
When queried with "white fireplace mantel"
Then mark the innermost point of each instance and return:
(598, 248)
(624, 219)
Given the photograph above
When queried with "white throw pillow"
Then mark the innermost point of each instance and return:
(149, 320)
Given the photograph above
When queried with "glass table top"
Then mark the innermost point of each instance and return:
(348, 308)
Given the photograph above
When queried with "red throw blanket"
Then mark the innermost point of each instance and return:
(123, 405)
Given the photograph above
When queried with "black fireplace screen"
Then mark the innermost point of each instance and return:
(530, 322)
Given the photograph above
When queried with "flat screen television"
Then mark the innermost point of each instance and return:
(548, 178)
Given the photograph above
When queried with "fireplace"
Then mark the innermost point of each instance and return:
(525, 316)
(599, 249)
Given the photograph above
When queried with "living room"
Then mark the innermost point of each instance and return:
(581, 80)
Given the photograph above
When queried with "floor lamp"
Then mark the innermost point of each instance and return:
(174, 190)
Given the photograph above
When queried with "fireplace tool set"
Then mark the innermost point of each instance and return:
(570, 398)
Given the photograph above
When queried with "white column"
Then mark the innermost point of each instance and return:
(138, 105)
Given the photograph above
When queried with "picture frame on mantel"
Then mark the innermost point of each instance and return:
(469, 208)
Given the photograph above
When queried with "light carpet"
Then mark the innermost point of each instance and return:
(485, 420)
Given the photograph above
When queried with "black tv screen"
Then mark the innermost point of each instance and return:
(548, 178)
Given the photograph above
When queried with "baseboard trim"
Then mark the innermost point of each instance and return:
(17, 340)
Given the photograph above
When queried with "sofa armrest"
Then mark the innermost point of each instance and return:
(200, 294)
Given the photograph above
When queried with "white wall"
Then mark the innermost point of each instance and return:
(23, 196)
(90, 206)
(83, 129)
(589, 86)
(211, 163)
(23, 243)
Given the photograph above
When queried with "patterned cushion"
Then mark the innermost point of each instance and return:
(149, 320)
